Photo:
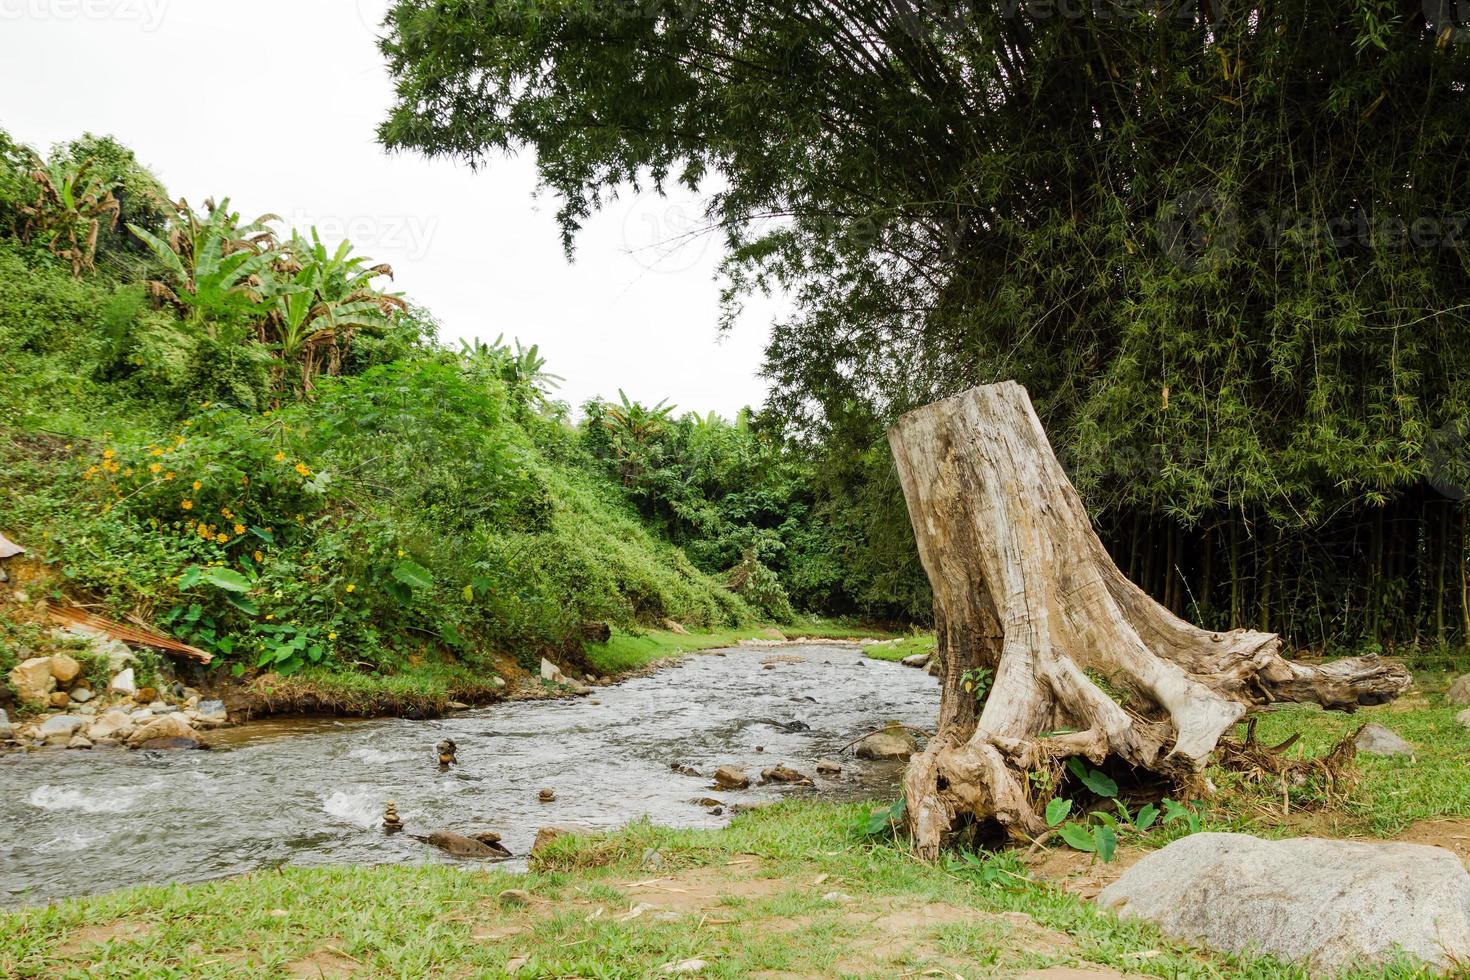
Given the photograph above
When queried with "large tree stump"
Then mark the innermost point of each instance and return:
(1084, 663)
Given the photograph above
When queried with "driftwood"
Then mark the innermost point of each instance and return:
(1084, 663)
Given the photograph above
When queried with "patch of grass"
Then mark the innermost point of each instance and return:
(628, 651)
(747, 899)
(906, 646)
(421, 691)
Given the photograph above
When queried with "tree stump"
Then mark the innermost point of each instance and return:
(1082, 661)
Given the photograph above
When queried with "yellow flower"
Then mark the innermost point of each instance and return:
(111, 466)
(257, 556)
(169, 475)
(187, 423)
(128, 471)
(400, 552)
(154, 468)
(331, 636)
(225, 512)
(108, 453)
(303, 469)
(270, 616)
(280, 457)
(198, 485)
(204, 404)
(222, 538)
(351, 588)
(91, 471)
(187, 505)
(239, 528)
(156, 451)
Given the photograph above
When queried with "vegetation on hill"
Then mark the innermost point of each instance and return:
(237, 434)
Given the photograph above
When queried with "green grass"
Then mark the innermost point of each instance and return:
(628, 651)
(906, 646)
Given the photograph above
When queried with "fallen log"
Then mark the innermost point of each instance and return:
(1084, 663)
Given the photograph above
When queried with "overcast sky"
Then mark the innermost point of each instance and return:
(274, 103)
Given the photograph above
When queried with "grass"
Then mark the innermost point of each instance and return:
(749, 899)
(627, 651)
(905, 646)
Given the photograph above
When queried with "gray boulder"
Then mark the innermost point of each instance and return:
(1459, 692)
(1327, 904)
(7, 730)
(917, 660)
(60, 726)
(1463, 718)
(891, 743)
(1377, 740)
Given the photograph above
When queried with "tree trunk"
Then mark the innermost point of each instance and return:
(1084, 662)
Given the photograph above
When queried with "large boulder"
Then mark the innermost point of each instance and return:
(1327, 904)
(61, 727)
(1459, 692)
(1463, 718)
(33, 681)
(170, 732)
(1377, 740)
(65, 669)
(917, 660)
(891, 743)
(116, 724)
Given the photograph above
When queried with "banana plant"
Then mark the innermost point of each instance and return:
(221, 269)
(67, 213)
(327, 296)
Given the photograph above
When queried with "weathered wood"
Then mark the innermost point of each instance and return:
(1023, 587)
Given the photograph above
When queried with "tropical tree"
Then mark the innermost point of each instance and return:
(320, 299)
(221, 269)
(68, 210)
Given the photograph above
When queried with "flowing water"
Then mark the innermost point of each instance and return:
(309, 793)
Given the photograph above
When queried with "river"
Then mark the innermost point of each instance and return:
(312, 792)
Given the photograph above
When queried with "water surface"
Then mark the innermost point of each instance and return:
(312, 792)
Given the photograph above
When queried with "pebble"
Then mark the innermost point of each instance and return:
(81, 695)
(685, 966)
(841, 898)
(79, 742)
(124, 683)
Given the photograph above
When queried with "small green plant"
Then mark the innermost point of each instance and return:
(1099, 831)
(884, 821)
(977, 681)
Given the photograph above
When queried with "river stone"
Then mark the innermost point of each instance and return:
(212, 712)
(458, 845)
(58, 726)
(81, 695)
(112, 724)
(7, 730)
(59, 699)
(65, 669)
(1377, 740)
(893, 743)
(1459, 692)
(728, 777)
(124, 683)
(33, 682)
(169, 727)
(781, 773)
(916, 660)
(551, 672)
(829, 767)
(1328, 904)
(79, 742)
(1463, 718)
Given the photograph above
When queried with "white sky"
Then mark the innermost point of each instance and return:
(274, 103)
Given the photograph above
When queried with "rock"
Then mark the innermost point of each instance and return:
(123, 683)
(773, 634)
(33, 682)
(707, 801)
(675, 627)
(547, 796)
(728, 777)
(81, 695)
(497, 682)
(166, 728)
(891, 743)
(79, 742)
(458, 706)
(111, 724)
(1377, 740)
(683, 770)
(1328, 904)
(917, 660)
(1463, 718)
(65, 669)
(781, 773)
(829, 766)
(87, 709)
(212, 712)
(158, 707)
(841, 898)
(59, 699)
(551, 672)
(515, 896)
(1459, 692)
(546, 835)
(458, 845)
(7, 730)
(146, 695)
(59, 726)
(685, 966)
(171, 742)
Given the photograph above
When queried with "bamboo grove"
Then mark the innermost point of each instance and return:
(1224, 245)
